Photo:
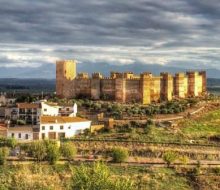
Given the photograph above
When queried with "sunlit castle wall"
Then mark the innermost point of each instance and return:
(127, 87)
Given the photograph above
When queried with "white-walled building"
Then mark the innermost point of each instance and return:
(43, 120)
(31, 112)
(5, 100)
(56, 127)
(24, 133)
(49, 109)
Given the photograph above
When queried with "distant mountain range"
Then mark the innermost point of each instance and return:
(48, 70)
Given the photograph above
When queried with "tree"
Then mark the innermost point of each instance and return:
(38, 150)
(119, 154)
(170, 157)
(12, 142)
(68, 151)
(4, 152)
(53, 153)
(98, 177)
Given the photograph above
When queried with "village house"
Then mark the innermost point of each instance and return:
(56, 127)
(20, 133)
(43, 120)
(6, 100)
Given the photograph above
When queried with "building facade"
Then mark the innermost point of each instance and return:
(23, 133)
(42, 120)
(57, 127)
(127, 87)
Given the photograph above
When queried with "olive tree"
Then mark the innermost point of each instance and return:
(119, 154)
(38, 150)
(68, 150)
(98, 177)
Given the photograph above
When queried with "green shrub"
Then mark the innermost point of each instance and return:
(119, 154)
(11, 142)
(170, 157)
(98, 177)
(4, 152)
(38, 150)
(68, 150)
(53, 153)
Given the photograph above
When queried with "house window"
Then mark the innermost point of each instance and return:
(19, 135)
(61, 127)
(69, 127)
(12, 135)
(51, 127)
(67, 109)
(43, 135)
(26, 136)
(45, 109)
(43, 127)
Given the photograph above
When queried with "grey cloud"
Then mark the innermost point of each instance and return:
(112, 31)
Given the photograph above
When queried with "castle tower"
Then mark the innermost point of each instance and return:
(204, 81)
(145, 84)
(65, 71)
(191, 83)
(96, 86)
(166, 86)
(120, 83)
(180, 85)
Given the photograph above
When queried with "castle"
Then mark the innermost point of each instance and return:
(127, 87)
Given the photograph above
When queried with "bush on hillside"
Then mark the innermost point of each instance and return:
(96, 177)
(68, 150)
(38, 150)
(119, 154)
(4, 152)
(170, 157)
(53, 153)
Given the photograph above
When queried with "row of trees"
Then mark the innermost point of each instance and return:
(51, 151)
(117, 110)
(40, 150)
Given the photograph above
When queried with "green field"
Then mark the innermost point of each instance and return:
(203, 127)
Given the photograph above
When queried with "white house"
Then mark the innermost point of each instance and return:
(49, 109)
(31, 112)
(20, 133)
(56, 127)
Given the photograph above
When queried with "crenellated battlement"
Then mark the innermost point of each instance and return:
(132, 79)
(126, 86)
(107, 78)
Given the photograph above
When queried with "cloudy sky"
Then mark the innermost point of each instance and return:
(180, 33)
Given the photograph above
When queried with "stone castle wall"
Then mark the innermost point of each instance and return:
(127, 87)
(132, 90)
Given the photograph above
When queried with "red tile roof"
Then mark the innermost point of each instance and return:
(61, 119)
(28, 105)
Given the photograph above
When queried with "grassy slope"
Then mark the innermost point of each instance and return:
(57, 177)
(203, 127)
(199, 129)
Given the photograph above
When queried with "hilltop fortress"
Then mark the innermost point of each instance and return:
(127, 87)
